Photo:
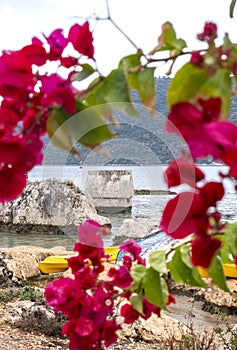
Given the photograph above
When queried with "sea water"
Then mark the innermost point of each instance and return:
(151, 206)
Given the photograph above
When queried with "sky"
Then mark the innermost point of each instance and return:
(20, 20)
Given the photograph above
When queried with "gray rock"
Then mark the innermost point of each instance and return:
(49, 206)
(136, 228)
(21, 263)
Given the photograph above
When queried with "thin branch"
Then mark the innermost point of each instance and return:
(123, 33)
(107, 8)
(153, 60)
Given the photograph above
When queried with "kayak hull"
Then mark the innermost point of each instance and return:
(230, 270)
(59, 263)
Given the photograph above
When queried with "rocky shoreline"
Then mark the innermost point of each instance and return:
(28, 323)
(53, 207)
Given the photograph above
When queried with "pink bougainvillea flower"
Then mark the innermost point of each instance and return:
(200, 128)
(20, 153)
(68, 62)
(109, 332)
(184, 214)
(230, 159)
(129, 313)
(171, 299)
(187, 213)
(75, 263)
(182, 171)
(209, 33)
(211, 109)
(36, 54)
(87, 253)
(32, 148)
(17, 156)
(197, 59)
(57, 43)
(55, 89)
(85, 326)
(211, 193)
(15, 73)
(127, 261)
(120, 277)
(132, 247)
(61, 295)
(8, 120)
(203, 250)
(101, 307)
(12, 183)
(77, 342)
(84, 277)
(89, 234)
(81, 38)
(36, 125)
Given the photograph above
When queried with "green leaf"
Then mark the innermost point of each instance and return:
(140, 79)
(130, 62)
(198, 278)
(157, 260)
(86, 127)
(186, 84)
(144, 82)
(137, 273)
(155, 289)
(168, 40)
(216, 272)
(89, 128)
(226, 256)
(230, 236)
(86, 71)
(185, 255)
(232, 6)
(227, 250)
(219, 85)
(136, 302)
(114, 91)
(182, 271)
(57, 134)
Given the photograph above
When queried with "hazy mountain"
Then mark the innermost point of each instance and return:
(140, 140)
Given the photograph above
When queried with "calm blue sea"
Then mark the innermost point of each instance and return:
(147, 177)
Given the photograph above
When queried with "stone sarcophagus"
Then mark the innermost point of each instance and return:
(111, 190)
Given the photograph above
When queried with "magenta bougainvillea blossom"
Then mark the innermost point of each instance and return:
(190, 213)
(203, 249)
(195, 211)
(29, 96)
(82, 40)
(181, 170)
(201, 129)
(57, 43)
(88, 301)
(209, 33)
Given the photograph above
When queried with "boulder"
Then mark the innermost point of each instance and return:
(48, 206)
(21, 263)
(136, 228)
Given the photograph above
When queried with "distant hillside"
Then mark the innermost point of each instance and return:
(140, 140)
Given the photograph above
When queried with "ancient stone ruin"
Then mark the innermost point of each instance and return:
(112, 190)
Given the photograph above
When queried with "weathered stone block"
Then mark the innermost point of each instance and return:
(111, 190)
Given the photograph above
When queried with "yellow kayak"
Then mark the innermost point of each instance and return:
(230, 270)
(58, 263)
